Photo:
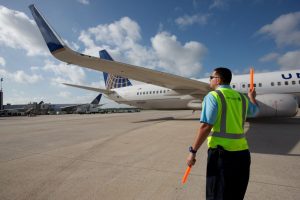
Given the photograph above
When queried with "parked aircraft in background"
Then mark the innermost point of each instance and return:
(278, 93)
(87, 108)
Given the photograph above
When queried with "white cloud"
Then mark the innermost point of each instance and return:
(176, 58)
(86, 38)
(98, 84)
(21, 97)
(85, 2)
(290, 60)
(195, 3)
(34, 68)
(64, 73)
(3, 73)
(19, 32)
(269, 57)
(91, 48)
(2, 61)
(64, 94)
(124, 32)
(285, 29)
(21, 76)
(72, 45)
(187, 20)
(219, 4)
(122, 40)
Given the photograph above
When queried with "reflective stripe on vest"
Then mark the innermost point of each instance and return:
(222, 132)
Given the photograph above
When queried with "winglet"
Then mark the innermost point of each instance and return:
(54, 42)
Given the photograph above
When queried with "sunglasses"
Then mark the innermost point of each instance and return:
(212, 77)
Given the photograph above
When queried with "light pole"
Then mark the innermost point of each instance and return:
(1, 83)
(1, 95)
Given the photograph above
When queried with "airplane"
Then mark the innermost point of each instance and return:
(278, 93)
(84, 108)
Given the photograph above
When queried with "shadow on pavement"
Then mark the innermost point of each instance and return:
(167, 119)
(274, 135)
(277, 136)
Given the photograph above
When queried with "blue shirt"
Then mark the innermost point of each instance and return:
(210, 108)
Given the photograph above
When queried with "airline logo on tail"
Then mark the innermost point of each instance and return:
(113, 81)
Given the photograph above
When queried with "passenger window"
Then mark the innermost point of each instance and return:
(164, 91)
(254, 84)
(286, 83)
(137, 93)
(150, 92)
(293, 82)
(272, 83)
(278, 83)
(161, 91)
(243, 85)
(146, 92)
(259, 85)
(248, 85)
(143, 92)
(156, 92)
(153, 92)
(233, 86)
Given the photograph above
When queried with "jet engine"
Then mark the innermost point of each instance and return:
(195, 104)
(277, 105)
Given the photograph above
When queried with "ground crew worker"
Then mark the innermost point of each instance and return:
(222, 119)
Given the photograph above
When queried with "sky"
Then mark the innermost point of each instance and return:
(185, 37)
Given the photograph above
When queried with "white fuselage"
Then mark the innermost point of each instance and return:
(149, 96)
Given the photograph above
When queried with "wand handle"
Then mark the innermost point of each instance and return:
(251, 79)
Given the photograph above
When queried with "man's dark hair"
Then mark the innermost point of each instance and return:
(225, 74)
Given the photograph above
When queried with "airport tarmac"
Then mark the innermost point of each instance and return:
(134, 156)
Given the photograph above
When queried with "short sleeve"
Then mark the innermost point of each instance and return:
(209, 109)
(252, 110)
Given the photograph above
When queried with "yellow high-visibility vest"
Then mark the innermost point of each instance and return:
(228, 131)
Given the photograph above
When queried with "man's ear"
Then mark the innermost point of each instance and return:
(219, 81)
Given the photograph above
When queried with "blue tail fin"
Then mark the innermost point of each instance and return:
(113, 81)
(97, 99)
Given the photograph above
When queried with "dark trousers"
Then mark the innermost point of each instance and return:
(227, 174)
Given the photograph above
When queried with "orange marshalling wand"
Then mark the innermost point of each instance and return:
(251, 79)
(186, 174)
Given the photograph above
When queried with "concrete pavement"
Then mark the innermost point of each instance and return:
(134, 156)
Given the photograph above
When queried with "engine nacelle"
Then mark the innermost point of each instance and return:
(195, 104)
(277, 105)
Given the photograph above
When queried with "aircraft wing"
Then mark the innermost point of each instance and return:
(62, 52)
